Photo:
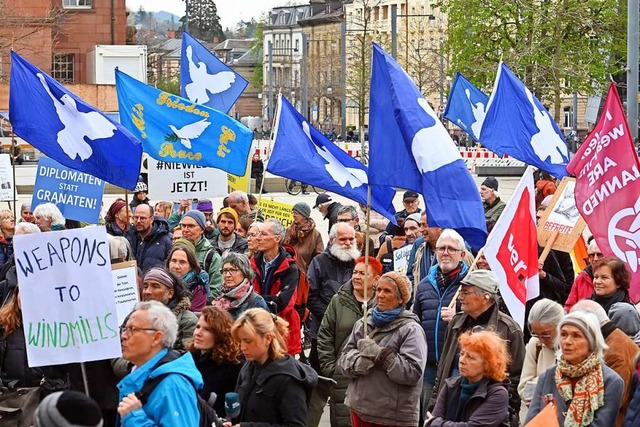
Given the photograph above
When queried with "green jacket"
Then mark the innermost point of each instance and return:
(493, 211)
(342, 313)
(203, 246)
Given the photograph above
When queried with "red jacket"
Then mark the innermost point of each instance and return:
(282, 285)
(582, 288)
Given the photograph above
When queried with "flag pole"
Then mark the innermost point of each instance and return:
(471, 268)
(274, 131)
(13, 165)
(547, 248)
(366, 260)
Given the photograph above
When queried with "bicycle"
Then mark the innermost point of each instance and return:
(294, 187)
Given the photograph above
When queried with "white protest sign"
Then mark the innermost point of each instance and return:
(125, 288)
(66, 291)
(175, 181)
(6, 178)
(401, 259)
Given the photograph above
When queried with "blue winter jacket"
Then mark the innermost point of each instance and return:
(428, 304)
(154, 249)
(173, 402)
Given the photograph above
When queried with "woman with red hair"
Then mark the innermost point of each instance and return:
(477, 396)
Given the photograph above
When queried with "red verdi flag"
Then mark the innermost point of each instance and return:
(512, 249)
(608, 189)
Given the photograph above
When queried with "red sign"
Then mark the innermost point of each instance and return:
(608, 187)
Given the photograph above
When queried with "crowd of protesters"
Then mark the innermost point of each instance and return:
(234, 305)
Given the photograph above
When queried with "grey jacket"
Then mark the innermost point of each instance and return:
(388, 397)
(604, 417)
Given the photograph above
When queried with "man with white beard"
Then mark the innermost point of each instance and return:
(327, 272)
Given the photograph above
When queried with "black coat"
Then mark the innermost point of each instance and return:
(155, 248)
(275, 393)
(219, 378)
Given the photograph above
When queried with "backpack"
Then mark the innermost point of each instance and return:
(302, 296)
(387, 259)
(208, 416)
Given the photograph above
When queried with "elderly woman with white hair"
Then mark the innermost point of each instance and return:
(147, 338)
(585, 391)
(49, 217)
(540, 352)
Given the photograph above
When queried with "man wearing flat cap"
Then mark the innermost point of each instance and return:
(478, 298)
(491, 202)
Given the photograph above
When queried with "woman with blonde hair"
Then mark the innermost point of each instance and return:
(216, 354)
(478, 395)
(273, 387)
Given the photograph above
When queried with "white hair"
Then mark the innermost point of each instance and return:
(590, 306)
(593, 245)
(546, 311)
(26, 228)
(162, 319)
(450, 234)
(119, 248)
(49, 211)
(277, 227)
(238, 196)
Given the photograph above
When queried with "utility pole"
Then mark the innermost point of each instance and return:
(632, 64)
(270, 100)
(305, 77)
(394, 31)
(343, 66)
(441, 75)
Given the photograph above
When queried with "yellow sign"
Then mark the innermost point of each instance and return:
(240, 183)
(277, 210)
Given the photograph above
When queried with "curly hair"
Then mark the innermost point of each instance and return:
(619, 271)
(491, 348)
(219, 323)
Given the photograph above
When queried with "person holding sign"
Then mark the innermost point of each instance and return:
(182, 261)
(147, 338)
(165, 287)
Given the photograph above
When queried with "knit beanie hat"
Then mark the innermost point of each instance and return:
(303, 209)
(587, 323)
(183, 241)
(198, 217)
(413, 217)
(204, 205)
(403, 286)
(228, 211)
(490, 182)
(68, 409)
(114, 209)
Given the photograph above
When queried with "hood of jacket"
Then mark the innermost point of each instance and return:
(289, 366)
(286, 255)
(179, 306)
(203, 245)
(160, 226)
(404, 317)
(347, 299)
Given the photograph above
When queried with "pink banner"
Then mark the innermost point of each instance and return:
(608, 189)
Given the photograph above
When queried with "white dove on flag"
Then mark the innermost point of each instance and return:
(546, 143)
(190, 131)
(341, 174)
(78, 125)
(202, 81)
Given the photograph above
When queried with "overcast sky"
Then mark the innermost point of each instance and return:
(230, 11)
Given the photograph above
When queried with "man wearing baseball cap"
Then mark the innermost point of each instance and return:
(411, 203)
(228, 240)
(328, 208)
(478, 297)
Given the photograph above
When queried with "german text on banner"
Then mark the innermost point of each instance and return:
(608, 187)
(78, 195)
(174, 129)
(66, 290)
(512, 249)
(64, 127)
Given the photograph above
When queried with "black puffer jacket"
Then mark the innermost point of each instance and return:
(155, 248)
(276, 393)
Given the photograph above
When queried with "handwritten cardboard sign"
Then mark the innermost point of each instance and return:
(401, 259)
(68, 306)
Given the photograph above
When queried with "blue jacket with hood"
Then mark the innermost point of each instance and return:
(173, 403)
(428, 305)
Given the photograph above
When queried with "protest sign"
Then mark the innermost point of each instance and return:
(277, 210)
(6, 178)
(561, 217)
(78, 195)
(173, 181)
(66, 290)
(401, 259)
(125, 288)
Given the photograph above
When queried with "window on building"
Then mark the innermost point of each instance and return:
(62, 68)
(297, 49)
(568, 117)
(77, 4)
(385, 12)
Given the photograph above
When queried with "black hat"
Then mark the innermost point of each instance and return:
(490, 182)
(66, 408)
(322, 198)
(410, 195)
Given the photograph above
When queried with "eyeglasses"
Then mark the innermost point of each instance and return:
(544, 335)
(127, 331)
(253, 235)
(466, 293)
(141, 218)
(447, 249)
(345, 219)
(229, 271)
(596, 255)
